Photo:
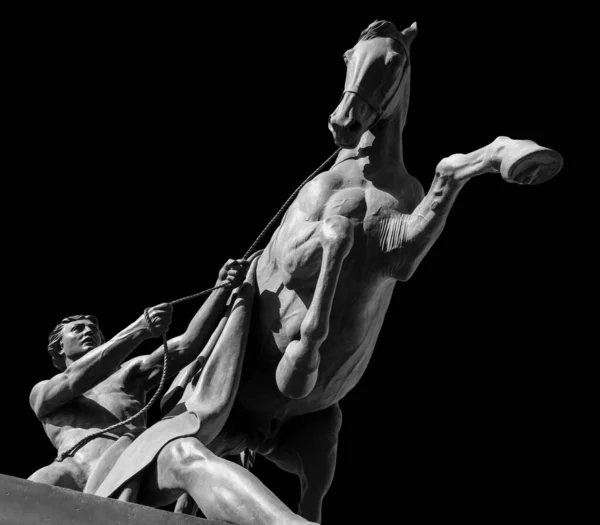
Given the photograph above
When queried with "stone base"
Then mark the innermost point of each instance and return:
(24, 502)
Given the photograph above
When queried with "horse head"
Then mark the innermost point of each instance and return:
(377, 82)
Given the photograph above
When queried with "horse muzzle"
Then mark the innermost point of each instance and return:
(348, 122)
(347, 133)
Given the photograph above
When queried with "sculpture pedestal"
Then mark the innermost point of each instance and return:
(24, 502)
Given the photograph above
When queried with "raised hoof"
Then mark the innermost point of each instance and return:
(525, 162)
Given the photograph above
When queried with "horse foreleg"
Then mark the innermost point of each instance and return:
(297, 371)
(520, 161)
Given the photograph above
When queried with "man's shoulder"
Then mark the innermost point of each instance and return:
(36, 389)
(132, 368)
(132, 363)
(36, 394)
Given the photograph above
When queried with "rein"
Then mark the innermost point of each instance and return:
(164, 375)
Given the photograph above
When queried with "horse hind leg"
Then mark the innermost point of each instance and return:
(297, 371)
(307, 447)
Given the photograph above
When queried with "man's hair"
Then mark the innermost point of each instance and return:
(56, 335)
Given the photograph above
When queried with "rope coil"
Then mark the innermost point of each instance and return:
(62, 456)
(150, 323)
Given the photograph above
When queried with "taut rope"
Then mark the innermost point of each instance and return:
(163, 378)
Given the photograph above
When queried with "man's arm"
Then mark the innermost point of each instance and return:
(184, 348)
(95, 366)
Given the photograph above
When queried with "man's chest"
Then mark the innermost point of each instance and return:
(106, 404)
(115, 395)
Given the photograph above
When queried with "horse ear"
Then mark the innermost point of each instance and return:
(410, 33)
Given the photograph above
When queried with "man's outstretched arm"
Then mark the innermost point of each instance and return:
(95, 366)
(184, 348)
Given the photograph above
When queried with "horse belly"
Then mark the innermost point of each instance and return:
(343, 363)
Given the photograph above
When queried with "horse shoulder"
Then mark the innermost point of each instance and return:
(404, 198)
(329, 193)
(312, 198)
(388, 212)
(414, 193)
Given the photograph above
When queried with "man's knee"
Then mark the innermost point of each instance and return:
(44, 475)
(187, 453)
(57, 476)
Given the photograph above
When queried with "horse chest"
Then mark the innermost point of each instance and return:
(360, 298)
(377, 216)
(355, 201)
(283, 308)
(348, 202)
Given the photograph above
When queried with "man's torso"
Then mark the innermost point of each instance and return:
(113, 400)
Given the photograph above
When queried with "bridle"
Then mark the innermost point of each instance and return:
(380, 109)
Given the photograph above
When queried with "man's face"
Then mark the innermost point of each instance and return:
(79, 337)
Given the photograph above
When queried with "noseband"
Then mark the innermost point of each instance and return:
(379, 109)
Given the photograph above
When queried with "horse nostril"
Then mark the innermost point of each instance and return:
(354, 126)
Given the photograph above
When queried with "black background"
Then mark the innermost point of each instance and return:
(151, 146)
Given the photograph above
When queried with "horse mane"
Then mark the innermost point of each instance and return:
(381, 29)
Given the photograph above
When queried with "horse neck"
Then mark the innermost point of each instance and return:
(380, 153)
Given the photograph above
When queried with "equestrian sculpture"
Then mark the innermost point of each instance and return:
(301, 330)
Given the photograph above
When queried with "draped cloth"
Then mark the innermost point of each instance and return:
(190, 397)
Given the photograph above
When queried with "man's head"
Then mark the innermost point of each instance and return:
(72, 338)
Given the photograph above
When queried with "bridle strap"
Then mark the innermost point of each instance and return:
(357, 90)
(379, 109)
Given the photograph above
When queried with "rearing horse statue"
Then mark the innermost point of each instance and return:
(324, 282)
(326, 278)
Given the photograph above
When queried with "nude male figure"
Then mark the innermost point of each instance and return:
(96, 389)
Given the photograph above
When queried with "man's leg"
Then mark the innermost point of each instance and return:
(67, 475)
(222, 489)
